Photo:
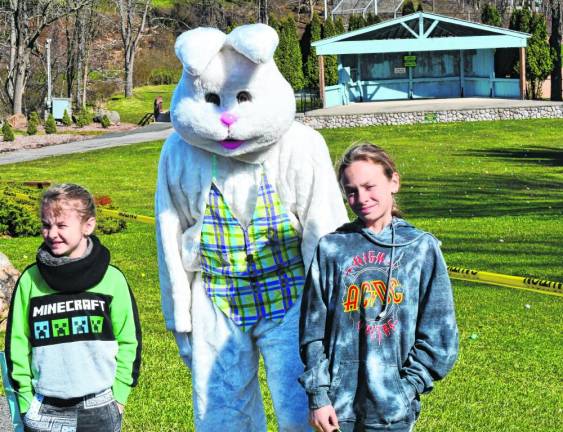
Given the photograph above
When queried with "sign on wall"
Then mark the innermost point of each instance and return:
(409, 60)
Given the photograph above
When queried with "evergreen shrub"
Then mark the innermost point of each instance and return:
(84, 118)
(21, 219)
(18, 220)
(105, 121)
(7, 132)
(161, 76)
(32, 123)
(50, 125)
(67, 121)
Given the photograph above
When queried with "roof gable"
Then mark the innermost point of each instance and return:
(422, 30)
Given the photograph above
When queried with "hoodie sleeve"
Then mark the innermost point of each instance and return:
(175, 281)
(436, 342)
(316, 378)
(127, 331)
(17, 343)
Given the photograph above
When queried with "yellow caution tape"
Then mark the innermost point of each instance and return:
(519, 282)
(125, 216)
(21, 196)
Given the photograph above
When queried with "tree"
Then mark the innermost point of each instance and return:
(28, 19)
(311, 4)
(490, 15)
(81, 28)
(555, 44)
(372, 19)
(331, 62)
(339, 24)
(539, 58)
(356, 22)
(274, 23)
(408, 7)
(132, 21)
(311, 70)
(263, 11)
(288, 54)
(520, 20)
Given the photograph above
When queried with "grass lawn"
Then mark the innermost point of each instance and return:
(132, 110)
(491, 191)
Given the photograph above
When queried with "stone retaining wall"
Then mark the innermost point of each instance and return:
(399, 118)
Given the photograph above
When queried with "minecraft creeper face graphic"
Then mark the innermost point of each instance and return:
(60, 327)
(96, 323)
(41, 329)
(79, 325)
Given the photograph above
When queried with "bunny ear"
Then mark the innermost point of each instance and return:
(257, 42)
(195, 48)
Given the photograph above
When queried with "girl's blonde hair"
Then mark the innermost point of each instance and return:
(368, 152)
(55, 196)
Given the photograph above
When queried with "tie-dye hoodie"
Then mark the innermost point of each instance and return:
(371, 358)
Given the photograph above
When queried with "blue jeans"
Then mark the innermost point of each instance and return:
(224, 364)
(93, 413)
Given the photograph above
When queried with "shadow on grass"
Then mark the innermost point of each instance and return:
(548, 156)
(482, 195)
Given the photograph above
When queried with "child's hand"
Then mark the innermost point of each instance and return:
(324, 419)
(120, 407)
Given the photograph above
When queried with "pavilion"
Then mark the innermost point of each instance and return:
(424, 55)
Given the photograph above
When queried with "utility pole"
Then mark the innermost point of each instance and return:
(48, 51)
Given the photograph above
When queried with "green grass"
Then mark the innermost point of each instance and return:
(163, 4)
(491, 191)
(132, 110)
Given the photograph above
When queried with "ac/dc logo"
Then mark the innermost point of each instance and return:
(368, 293)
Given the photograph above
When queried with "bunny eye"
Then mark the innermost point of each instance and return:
(213, 98)
(243, 96)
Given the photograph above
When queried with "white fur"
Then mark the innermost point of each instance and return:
(189, 46)
(257, 42)
(294, 157)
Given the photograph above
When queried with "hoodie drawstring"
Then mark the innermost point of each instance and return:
(385, 310)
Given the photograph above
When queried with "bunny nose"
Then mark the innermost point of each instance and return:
(228, 119)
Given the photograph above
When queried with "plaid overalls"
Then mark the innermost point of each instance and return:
(254, 272)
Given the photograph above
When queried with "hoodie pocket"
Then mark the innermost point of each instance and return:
(343, 388)
(372, 392)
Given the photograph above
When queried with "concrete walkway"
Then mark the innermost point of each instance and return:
(427, 105)
(5, 419)
(152, 132)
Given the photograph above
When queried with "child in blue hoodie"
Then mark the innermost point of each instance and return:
(377, 319)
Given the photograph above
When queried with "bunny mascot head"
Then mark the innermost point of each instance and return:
(231, 100)
(244, 193)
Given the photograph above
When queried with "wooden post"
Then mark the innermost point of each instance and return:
(522, 73)
(322, 78)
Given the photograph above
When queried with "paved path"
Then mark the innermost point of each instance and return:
(5, 419)
(153, 132)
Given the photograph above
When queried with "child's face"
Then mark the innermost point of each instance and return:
(65, 232)
(370, 193)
